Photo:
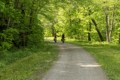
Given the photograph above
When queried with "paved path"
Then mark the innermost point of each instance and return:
(75, 64)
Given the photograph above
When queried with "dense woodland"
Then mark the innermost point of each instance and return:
(26, 22)
(19, 23)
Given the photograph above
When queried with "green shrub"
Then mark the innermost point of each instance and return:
(7, 37)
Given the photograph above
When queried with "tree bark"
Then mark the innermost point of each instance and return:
(109, 23)
(112, 24)
(119, 38)
(23, 35)
(107, 28)
(98, 31)
(31, 14)
(89, 32)
(90, 26)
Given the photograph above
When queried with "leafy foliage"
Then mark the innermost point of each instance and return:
(96, 20)
(19, 25)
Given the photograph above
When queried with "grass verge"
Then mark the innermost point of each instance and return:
(22, 64)
(108, 55)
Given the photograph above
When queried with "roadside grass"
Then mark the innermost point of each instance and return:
(22, 64)
(108, 55)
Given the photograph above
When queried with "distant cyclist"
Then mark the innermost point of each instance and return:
(63, 38)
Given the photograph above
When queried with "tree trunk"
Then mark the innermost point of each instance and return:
(31, 14)
(98, 31)
(107, 28)
(23, 38)
(89, 32)
(109, 23)
(89, 29)
(119, 38)
(112, 24)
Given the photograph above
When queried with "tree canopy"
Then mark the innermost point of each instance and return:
(26, 22)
